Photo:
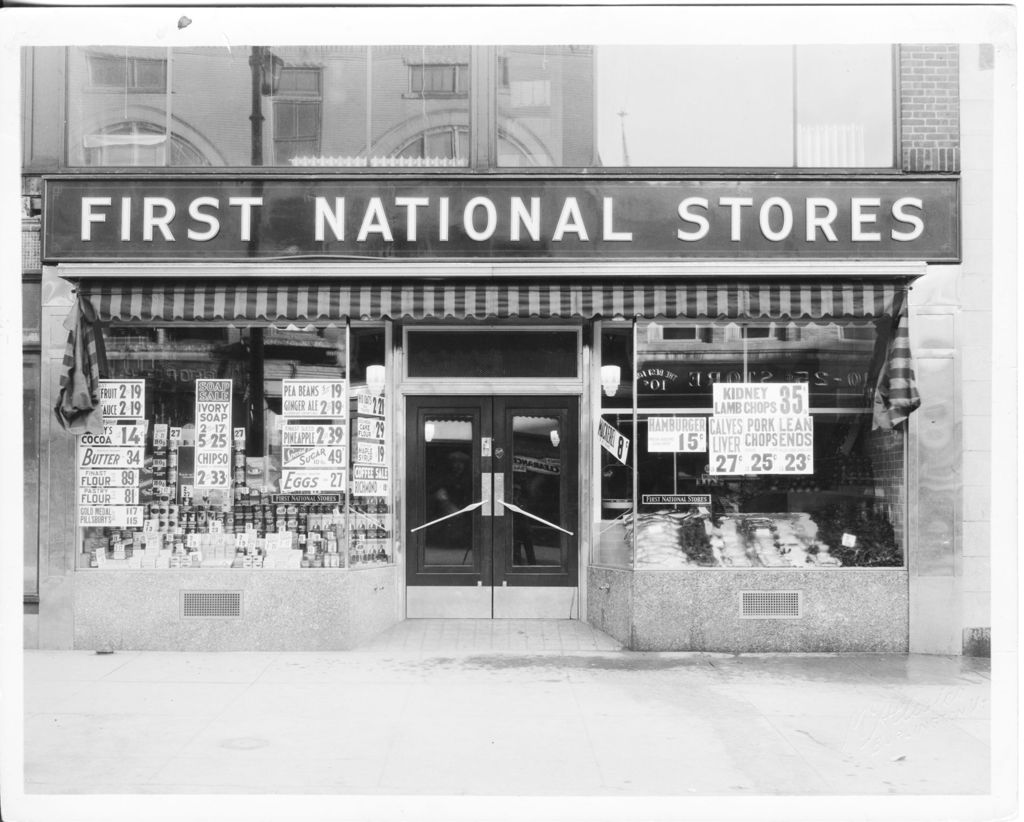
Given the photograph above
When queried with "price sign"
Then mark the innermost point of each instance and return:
(320, 457)
(370, 428)
(100, 478)
(160, 435)
(329, 435)
(111, 516)
(371, 453)
(108, 496)
(761, 429)
(313, 398)
(369, 405)
(370, 488)
(116, 435)
(299, 481)
(109, 456)
(213, 434)
(677, 434)
(123, 399)
(613, 442)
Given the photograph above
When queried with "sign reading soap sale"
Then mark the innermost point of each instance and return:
(213, 434)
(311, 399)
(761, 428)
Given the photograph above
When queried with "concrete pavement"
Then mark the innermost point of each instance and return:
(521, 708)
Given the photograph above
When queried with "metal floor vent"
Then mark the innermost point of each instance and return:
(211, 604)
(771, 604)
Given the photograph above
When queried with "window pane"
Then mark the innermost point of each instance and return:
(844, 105)
(282, 507)
(448, 485)
(546, 106)
(492, 354)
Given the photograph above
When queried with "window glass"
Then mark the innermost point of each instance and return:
(828, 490)
(297, 420)
(495, 354)
(692, 105)
(316, 106)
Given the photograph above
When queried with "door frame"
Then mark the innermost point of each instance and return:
(586, 387)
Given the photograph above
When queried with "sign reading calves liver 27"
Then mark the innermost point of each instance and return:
(761, 428)
(874, 218)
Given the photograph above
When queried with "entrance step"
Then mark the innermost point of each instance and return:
(432, 636)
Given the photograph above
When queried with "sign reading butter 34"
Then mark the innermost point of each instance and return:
(761, 428)
(114, 218)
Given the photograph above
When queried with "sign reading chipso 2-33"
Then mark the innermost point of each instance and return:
(873, 218)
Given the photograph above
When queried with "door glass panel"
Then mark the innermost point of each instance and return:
(448, 484)
(537, 489)
(494, 354)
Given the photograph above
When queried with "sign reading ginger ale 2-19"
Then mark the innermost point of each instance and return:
(213, 434)
(313, 399)
(761, 428)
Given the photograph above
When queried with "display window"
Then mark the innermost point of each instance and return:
(225, 447)
(749, 444)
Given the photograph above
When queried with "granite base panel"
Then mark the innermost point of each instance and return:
(281, 610)
(849, 610)
(610, 602)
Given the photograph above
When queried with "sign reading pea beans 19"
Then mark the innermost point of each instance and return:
(314, 440)
(761, 428)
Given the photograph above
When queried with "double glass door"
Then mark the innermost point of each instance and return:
(492, 506)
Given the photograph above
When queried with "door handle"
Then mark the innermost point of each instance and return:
(485, 493)
(499, 492)
(518, 510)
(471, 507)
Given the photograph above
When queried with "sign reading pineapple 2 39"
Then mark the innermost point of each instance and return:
(311, 399)
(761, 428)
(213, 434)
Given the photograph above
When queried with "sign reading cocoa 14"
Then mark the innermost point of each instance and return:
(873, 218)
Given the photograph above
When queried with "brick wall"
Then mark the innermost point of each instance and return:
(930, 107)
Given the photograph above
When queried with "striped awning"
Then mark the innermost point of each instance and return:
(234, 301)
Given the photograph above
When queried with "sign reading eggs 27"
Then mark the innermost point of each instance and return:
(878, 217)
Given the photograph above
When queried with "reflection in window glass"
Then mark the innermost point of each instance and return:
(30, 427)
(849, 512)
(448, 485)
(537, 489)
(287, 503)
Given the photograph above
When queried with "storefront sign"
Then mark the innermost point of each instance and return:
(309, 399)
(675, 499)
(372, 453)
(126, 435)
(677, 434)
(370, 481)
(98, 478)
(326, 435)
(298, 481)
(174, 219)
(306, 499)
(613, 442)
(111, 516)
(213, 434)
(761, 429)
(108, 496)
(123, 399)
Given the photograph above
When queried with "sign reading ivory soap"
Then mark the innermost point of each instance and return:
(683, 434)
(310, 399)
(761, 428)
(213, 434)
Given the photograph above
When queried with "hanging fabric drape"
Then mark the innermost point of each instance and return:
(233, 301)
(896, 395)
(78, 402)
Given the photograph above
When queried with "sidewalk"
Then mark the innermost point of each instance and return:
(525, 708)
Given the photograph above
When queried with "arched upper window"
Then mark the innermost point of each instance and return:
(135, 143)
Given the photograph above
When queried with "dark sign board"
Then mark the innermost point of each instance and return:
(209, 218)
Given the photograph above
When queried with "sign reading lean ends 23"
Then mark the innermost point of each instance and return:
(873, 218)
